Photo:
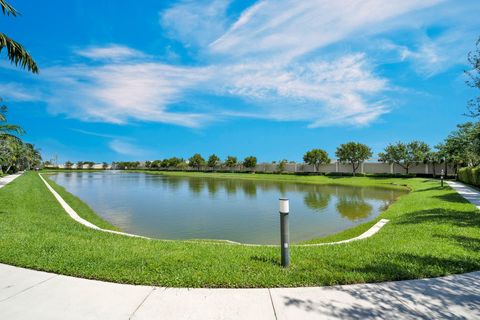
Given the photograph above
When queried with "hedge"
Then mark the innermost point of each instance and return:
(470, 175)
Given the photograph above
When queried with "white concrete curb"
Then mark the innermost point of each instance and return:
(74, 215)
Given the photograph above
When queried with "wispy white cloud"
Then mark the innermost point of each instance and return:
(321, 92)
(291, 28)
(126, 148)
(195, 22)
(95, 134)
(119, 92)
(18, 92)
(281, 57)
(110, 52)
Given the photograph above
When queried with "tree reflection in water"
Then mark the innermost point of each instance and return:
(316, 201)
(249, 188)
(353, 206)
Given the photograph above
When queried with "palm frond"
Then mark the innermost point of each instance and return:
(8, 9)
(6, 128)
(3, 111)
(17, 53)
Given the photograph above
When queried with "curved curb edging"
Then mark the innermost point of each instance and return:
(74, 215)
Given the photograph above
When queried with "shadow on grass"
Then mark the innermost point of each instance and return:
(442, 216)
(452, 197)
(468, 243)
(437, 188)
(416, 299)
(267, 260)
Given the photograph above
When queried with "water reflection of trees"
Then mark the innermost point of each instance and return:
(196, 185)
(212, 187)
(249, 189)
(230, 186)
(353, 206)
(316, 200)
(351, 203)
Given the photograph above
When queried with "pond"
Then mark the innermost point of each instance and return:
(172, 207)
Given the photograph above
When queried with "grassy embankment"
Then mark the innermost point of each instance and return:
(432, 232)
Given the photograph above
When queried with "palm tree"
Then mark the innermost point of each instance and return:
(10, 151)
(5, 128)
(16, 53)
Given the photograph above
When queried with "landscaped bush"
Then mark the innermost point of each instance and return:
(470, 175)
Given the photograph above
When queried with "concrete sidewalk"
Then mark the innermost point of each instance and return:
(29, 294)
(7, 179)
(469, 193)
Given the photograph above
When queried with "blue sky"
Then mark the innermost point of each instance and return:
(125, 80)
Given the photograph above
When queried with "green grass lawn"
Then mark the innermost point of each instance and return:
(432, 232)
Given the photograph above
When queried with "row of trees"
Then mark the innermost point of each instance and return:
(14, 153)
(197, 161)
(78, 165)
(353, 153)
(461, 148)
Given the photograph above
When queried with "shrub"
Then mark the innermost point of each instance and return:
(470, 175)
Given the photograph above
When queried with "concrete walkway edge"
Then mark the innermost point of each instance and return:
(7, 179)
(469, 193)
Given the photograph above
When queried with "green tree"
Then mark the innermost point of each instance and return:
(354, 153)
(250, 162)
(156, 164)
(196, 161)
(80, 164)
(8, 152)
(434, 158)
(405, 154)
(16, 53)
(174, 162)
(104, 165)
(282, 165)
(231, 162)
(90, 164)
(148, 164)
(316, 157)
(182, 165)
(68, 165)
(213, 161)
(474, 80)
(29, 158)
(461, 148)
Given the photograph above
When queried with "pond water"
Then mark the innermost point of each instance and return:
(246, 211)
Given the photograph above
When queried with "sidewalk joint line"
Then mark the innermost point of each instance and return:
(27, 289)
(141, 303)
(273, 305)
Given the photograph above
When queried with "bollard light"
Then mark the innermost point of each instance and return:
(284, 205)
(284, 209)
(441, 178)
